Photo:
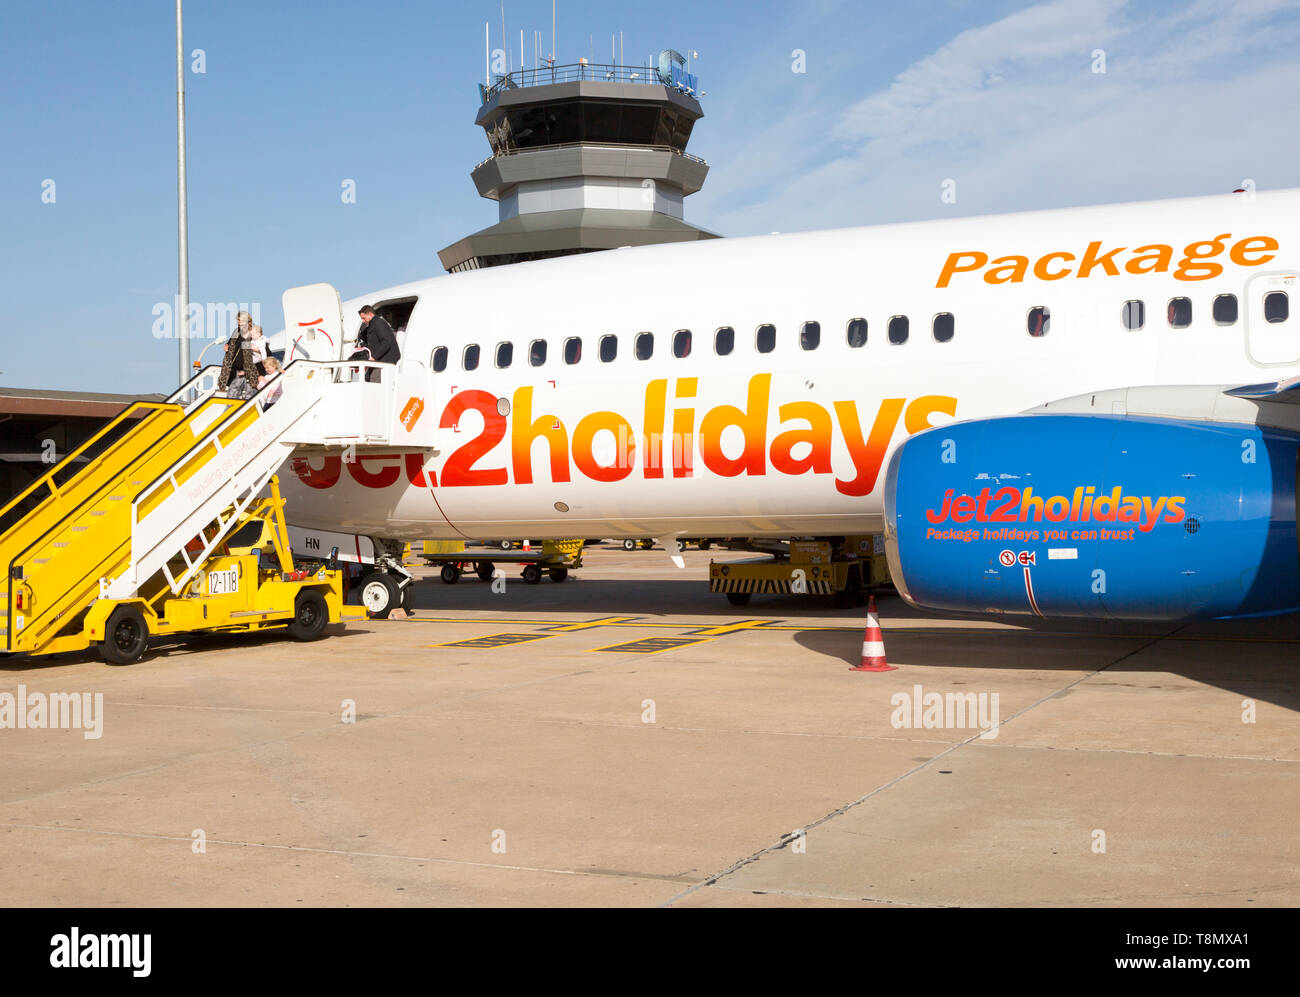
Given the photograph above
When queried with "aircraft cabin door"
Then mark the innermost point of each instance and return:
(1272, 328)
(313, 323)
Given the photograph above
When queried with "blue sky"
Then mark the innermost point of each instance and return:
(296, 98)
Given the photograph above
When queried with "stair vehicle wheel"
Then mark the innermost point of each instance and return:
(380, 595)
(559, 574)
(852, 591)
(310, 615)
(738, 598)
(125, 636)
(532, 574)
(450, 574)
(629, 545)
(485, 570)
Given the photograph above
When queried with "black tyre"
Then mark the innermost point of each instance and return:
(126, 636)
(380, 595)
(705, 544)
(310, 614)
(558, 574)
(450, 574)
(647, 544)
(485, 570)
(532, 574)
(629, 545)
(738, 598)
(852, 591)
(505, 545)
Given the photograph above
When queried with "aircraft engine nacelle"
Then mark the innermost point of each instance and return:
(1097, 516)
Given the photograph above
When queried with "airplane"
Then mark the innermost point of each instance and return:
(1084, 412)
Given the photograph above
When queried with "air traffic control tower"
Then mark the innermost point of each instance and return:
(584, 157)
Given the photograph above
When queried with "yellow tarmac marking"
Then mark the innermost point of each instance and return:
(781, 626)
(652, 645)
(607, 621)
(494, 640)
(731, 628)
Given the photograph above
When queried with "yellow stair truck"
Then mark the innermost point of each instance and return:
(125, 538)
(128, 537)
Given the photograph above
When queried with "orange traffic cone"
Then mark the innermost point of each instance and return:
(873, 644)
(527, 546)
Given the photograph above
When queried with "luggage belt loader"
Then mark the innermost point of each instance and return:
(125, 538)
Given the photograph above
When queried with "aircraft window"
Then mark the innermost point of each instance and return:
(1225, 309)
(645, 345)
(897, 330)
(1039, 321)
(765, 339)
(505, 353)
(856, 333)
(537, 353)
(944, 326)
(1134, 314)
(682, 343)
(608, 348)
(572, 350)
(724, 341)
(810, 336)
(1180, 312)
(1276, 306)
(471, 357)
(439, 359)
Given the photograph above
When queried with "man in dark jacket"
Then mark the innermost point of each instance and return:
(378, 338)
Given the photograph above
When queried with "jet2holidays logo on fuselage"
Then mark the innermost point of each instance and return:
(604, 446)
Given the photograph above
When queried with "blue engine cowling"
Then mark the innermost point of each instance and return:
(1100, 516)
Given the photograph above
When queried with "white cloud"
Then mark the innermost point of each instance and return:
(1194, 99)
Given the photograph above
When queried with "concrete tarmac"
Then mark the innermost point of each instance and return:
(626, 738)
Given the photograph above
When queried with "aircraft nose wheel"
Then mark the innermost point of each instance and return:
(380, 595)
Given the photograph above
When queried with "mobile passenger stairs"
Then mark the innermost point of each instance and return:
(127, 537)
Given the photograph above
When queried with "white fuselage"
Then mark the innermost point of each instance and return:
(792, 441)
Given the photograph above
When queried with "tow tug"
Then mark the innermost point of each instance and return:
(846, 568)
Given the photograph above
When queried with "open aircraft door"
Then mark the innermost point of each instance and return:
(313, 323)
(1272, 328)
